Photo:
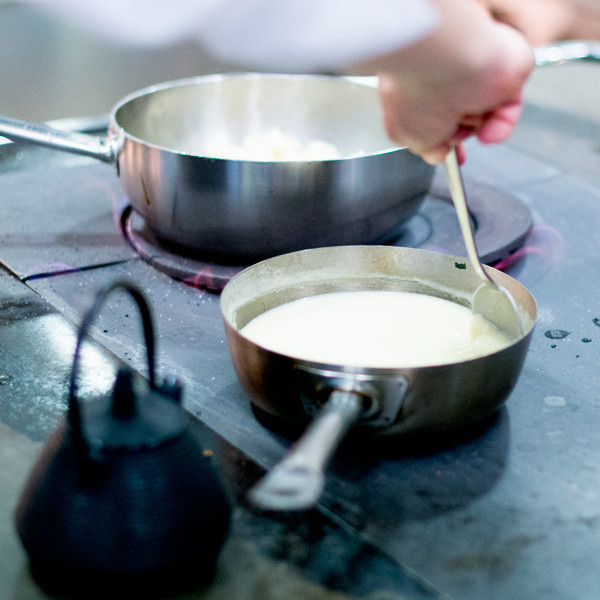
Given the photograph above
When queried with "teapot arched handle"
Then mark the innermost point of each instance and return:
(74, 411)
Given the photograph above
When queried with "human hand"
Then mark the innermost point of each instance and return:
(463, 80)
(408, 121)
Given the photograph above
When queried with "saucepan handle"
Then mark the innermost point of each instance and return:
(68, 141)
(565, 52)
(297, 482)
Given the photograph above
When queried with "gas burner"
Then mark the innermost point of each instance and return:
(500, 220)
(197, 272)
(501, 223)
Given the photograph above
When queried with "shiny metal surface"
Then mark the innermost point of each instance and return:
(297, 482)
(247, 208)
(428, 400)
(437, 398)
(490, 300)
(567, 52)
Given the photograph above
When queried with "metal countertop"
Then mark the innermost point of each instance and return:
(511, 511)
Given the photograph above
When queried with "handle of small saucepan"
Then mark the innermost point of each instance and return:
(297, 482)
(68, 141)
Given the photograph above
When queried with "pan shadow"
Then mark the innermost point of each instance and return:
(379, 481)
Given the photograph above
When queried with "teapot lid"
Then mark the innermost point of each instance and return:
(129, 420)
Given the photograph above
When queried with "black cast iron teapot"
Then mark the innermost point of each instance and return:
(122, 491)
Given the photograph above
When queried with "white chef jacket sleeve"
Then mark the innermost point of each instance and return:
(284, 35)
(299, 35)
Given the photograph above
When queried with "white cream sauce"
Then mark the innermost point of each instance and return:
(375, 329)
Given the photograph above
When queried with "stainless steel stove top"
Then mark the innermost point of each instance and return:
(483, 517)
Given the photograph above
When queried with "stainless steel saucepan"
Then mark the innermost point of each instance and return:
(161, 140)
(383, 402)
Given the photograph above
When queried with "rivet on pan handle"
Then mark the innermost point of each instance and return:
(383, 393)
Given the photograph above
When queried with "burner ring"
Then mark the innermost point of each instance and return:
(501, 223)
(196, 272)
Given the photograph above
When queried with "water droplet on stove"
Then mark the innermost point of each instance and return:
(596, 322)
(556, 334)
(555, 401)
(586, 340)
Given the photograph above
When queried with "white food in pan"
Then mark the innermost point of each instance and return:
(386, 329)
(272, 145)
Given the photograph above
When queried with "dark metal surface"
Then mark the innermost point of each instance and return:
(509, 510)
(285, 556)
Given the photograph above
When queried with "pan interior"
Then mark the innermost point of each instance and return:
(187, 116)
(285, 294)
(348, 268)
